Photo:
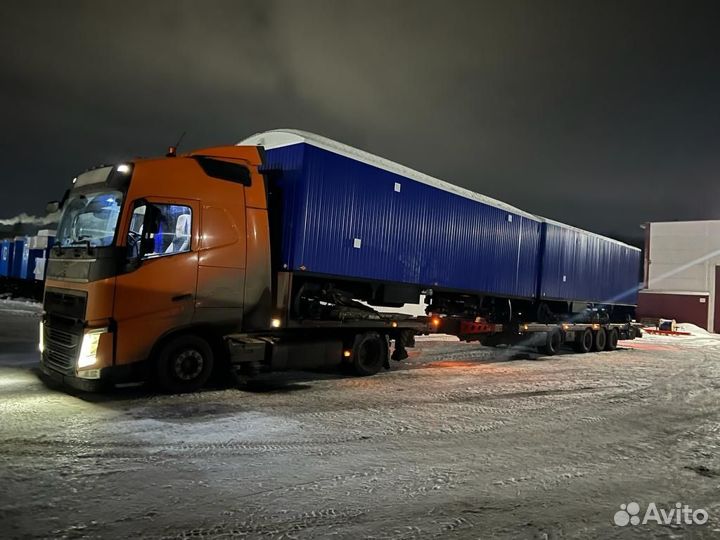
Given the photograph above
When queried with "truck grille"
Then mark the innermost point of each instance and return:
(62, 347)
(65, 303)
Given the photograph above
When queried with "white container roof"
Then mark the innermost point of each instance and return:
(277, 138)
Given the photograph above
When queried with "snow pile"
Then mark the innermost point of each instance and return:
(18, 306)
(692, 328)
(436, 337)
(31, 220)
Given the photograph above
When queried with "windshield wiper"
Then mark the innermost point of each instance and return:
(80, 242)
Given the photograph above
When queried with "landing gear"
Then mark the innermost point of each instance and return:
(402, 340)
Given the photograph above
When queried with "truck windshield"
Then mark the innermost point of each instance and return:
(89, 219)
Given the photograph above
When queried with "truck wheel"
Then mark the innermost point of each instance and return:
(584, 344)
(600, 340)
(552, 343)
(184, 364)
(612, 340)
(369, 353)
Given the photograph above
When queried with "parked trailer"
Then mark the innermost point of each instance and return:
(270, 255)
(22, 264)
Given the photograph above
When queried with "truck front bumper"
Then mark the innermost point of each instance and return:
(109, 377)
(86, 385)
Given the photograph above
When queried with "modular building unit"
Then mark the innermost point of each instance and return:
(352, 214)
(582, 266)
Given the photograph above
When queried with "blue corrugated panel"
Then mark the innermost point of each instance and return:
(585, 267)
(16, 268)
(344, 217)
(6, 256)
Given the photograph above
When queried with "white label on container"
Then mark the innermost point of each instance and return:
(703, 300)
(564, 279)
(397, 187)
(357, 243)
(509, 217)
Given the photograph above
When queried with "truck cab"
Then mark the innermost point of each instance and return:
(157, 259)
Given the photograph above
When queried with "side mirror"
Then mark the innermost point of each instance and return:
(52, 207)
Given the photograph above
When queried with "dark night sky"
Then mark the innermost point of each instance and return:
(600, 114)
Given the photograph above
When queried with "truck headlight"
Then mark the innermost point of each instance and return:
(88, 349)
(41, 338)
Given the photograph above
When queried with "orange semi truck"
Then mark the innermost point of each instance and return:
(157, 261)
(267, 255)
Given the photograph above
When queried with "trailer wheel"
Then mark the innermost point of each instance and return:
(600, 340)
(369, 353)
(552, 343)
(184, 364)
(585, 343)
(612, 340)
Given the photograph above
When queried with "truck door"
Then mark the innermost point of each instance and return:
(157, 291)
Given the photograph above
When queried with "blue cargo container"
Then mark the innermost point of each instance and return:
(18, 247)
(352, 214)
(357, 215)
(6, 257)
(29, 260)
(581, 266)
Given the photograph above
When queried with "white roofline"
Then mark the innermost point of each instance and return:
(678, 293)
(278, 138)
(683, 221)
(565, 225)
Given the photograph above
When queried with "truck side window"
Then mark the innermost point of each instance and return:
(135, 231)
(169, 233)
(174, 229)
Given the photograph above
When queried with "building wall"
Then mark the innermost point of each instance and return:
(683, 256)
(688, 307)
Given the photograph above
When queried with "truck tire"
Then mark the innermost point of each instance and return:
(585, 343)
(612, 340)
(184, 364)
(552, 343)
(599, 340)
(369, 353)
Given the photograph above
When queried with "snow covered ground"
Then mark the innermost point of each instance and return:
(460, 441)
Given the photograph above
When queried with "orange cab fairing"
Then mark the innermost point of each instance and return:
(221, 281)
